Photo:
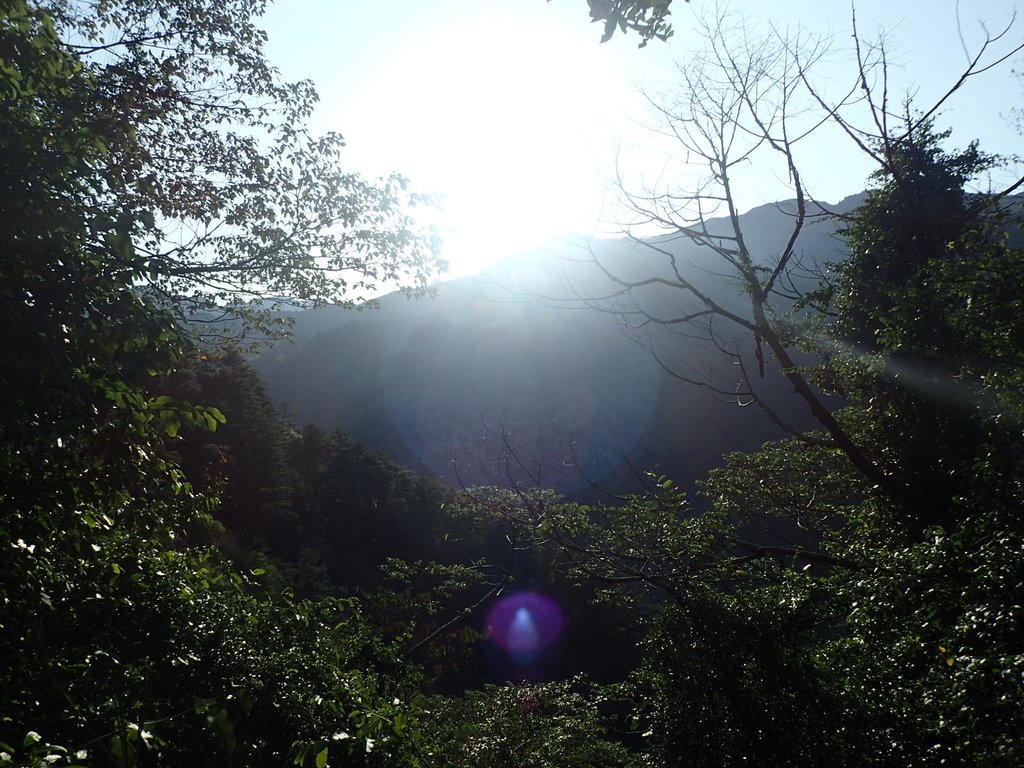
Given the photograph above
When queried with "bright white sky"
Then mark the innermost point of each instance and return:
(513, 111)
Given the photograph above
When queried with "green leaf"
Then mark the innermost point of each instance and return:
(170, 423)
(225, 730)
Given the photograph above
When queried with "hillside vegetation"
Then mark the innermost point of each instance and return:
(190, 577)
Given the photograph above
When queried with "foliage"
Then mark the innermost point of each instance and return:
(226, 206)
(924, 323)
(545, 725)
(71, 333)
(648, 18)
(431, 608)
(894, 606)
(121, 645)
(137, 654)
(811, 614)
(844, 597)
(824, 591)
(245, 462)
(368, 509)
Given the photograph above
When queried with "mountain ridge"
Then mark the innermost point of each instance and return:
(495, 380)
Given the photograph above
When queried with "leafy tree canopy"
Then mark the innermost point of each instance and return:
(125, 126)
(648, 18)
(223, 205)
(849, 596)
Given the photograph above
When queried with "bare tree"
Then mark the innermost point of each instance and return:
(748, 102)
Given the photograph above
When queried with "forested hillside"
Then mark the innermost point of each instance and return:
(190, 575)
(505, 366)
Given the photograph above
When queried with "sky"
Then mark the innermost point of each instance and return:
(516, 117)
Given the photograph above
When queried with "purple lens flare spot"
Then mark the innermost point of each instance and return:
(524, 624)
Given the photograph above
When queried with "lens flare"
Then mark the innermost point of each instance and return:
(524, 624)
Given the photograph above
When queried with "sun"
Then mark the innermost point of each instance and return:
(508, 121)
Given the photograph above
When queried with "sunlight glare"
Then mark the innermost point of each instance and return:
(511, 123)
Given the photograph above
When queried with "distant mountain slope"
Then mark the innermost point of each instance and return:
(496, 379)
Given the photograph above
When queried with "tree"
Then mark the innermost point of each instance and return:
(71, 333)
(647, 18)
(920, 325)
(366, 509)
(745, 99)
(122, 646)
(846, 597)
(726, 676)
(245, 461)
(223, 203)
(549, 725)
